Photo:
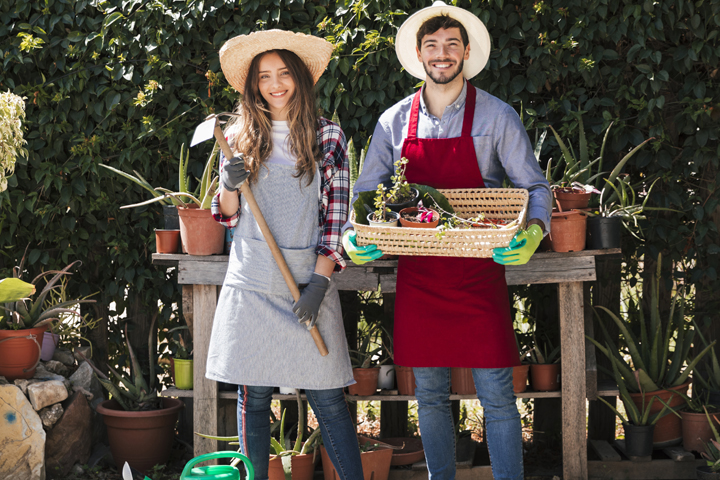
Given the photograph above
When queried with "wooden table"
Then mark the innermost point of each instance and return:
(204, 275)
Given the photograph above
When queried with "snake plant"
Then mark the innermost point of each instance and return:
(654, 364)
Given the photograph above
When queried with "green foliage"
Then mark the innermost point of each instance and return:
(13, 289)
(712, 448)
(12, 114)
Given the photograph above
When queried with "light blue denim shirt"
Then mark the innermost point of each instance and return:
(501, 144)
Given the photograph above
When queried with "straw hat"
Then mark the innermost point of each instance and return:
(238, 52)
(406, 39)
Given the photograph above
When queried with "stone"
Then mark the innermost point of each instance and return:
(84, 350)
(22, 437)
(4, 381)
(64, 356)
(59, 368)
(85, 377)
(89, 396)
(50, 415)
(70, 440)
(43, 375)
(77, 469)
(42, 394)
(23, 383)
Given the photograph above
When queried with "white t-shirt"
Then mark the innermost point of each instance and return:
(281, 152)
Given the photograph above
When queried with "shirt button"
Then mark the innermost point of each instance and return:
(437, 123)
(457, 107)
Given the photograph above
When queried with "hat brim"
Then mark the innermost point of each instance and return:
(238, 52)
(406, 40)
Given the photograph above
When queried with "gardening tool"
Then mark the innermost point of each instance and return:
(216, 472)
(207, 130)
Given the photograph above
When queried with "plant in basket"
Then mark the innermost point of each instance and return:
(401, 194)
(382, 215)
(419, 217)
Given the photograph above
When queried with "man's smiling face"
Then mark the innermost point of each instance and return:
(443, 54)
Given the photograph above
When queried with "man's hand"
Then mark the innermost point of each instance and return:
(308, 305)
(521, 247)
(359, 255)
(233, 173)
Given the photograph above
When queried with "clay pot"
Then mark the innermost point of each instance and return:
(696, 431)
(167, 241)
(413, 211)
(411, 452)
(405, 380)
(303, 468)
(668, 430)
(20, 352)
(49, 344)
(520, 378)
(367, 380)
(603, 232)
(183, 373)
(567, 231)
(143, 439)
(461, 381)
(375, 464)
(545, 377)
(199, 232)
(569, 200)
(639, 440)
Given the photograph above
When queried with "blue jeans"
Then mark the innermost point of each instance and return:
(338, 431)
(504, 435)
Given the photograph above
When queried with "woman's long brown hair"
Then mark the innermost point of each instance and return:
(254, 138)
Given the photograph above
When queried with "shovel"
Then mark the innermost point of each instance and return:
(207, 130)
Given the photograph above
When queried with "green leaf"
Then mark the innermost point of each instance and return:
(14, 289)
(112, 18)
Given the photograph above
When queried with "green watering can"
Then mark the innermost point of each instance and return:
(216, 472)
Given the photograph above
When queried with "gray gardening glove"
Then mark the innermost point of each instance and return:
(308, 305)
(233, 173)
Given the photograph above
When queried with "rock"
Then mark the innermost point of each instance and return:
(84, 350)
(64, 356)
(22, 438)
(50, 415)
(59, 368)
(43, 375)
(70, 440)
(89, 396)
(43, 394)
(85, 377)
(77, 469)
(4, 381)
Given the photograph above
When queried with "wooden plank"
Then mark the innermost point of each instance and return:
(591, 386)
(620, 445)
(551, 270)
(205, 392)
(356, 278)
(187, 307)
(656, 469)
(194, 272)
(482, 472)
(387, 282)
(605, 451)
(678, 454)
(572, 343)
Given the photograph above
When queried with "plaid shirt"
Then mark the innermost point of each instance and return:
(335, 186)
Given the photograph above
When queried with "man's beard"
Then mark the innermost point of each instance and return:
(443, 80)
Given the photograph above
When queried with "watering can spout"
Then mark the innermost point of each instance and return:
(216, 472)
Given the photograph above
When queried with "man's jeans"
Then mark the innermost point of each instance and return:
(504, 436)
(338, 431)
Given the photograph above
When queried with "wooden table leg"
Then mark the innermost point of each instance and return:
(205, 392)
(570, 299)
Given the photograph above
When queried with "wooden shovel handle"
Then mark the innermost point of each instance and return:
(277, 254)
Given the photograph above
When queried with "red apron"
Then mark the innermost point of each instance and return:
(450, 311)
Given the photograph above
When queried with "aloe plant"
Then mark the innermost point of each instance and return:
(544, 353)
(653, 364)
(712, 448)
(14, 289)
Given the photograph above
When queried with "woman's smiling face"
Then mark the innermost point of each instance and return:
(275, 84)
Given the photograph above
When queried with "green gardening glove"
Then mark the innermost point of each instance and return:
(359, 255)
(521, 248)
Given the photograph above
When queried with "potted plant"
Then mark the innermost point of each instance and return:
(23, 320)
(657, 351)
(521, 372)
(544, 366)
(375, 455)
(365, 366)
(401, 194)
(382, 216)
(12, 114)
(181, 362)
(706, 375)
(419, 217)
(711, 471)
(140, 424)
(696, 431)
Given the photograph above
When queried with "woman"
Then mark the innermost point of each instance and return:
(296, 165)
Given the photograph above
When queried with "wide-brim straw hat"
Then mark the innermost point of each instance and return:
(406, 40)
(238, 52)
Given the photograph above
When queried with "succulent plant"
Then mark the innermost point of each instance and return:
(712, 448)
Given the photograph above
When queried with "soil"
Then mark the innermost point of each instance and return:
(570, 190)
(415, 217)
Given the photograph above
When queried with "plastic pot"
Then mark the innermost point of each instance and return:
(696, 431)
(199, 232)
(367, 381)
(520, 378)
(567, 231)
(705, 473)
(405, 380)
(545, 377)
(183, 373)
(170, 217)
(167, 241)
(461, 381)
(410, 224)
(668, 430)
(386, 377)
(49, 344)
(375, 464)
(303, 468)
(639, 440)
(20, 352)
(396, 207)
(391, 220)
(603, 232)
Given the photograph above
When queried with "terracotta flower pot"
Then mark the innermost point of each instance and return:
(567, 231)
(405, 380)
(200, 234)
(411, 452)
(668, 430)
(20, 352)
(183, 373)
(696, 431)
(569, 200)
(375, 464)
(461, 381)
(303, 468)
(545, 377)
(411, 224)
(49, 344)
(167, 241)
(143, 439)
(367, 380)
(520, 378)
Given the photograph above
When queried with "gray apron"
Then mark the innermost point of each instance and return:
(256, 338)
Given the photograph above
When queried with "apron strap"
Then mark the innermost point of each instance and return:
(413, 125)
(469, 111)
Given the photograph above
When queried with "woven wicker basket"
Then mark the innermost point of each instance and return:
(495, 203)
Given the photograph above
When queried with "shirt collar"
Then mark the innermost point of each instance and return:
(456, 105)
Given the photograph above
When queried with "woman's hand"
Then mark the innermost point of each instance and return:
(233, 173)
(308, 305)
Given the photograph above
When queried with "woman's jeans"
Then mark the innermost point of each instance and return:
(331, 410)
(504, 436)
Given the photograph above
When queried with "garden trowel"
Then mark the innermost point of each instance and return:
(211, 128)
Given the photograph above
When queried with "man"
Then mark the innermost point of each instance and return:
(456, 136)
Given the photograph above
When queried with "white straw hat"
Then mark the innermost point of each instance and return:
(238, 52)
(406, 39)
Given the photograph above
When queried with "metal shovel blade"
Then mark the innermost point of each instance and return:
(204, 131)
